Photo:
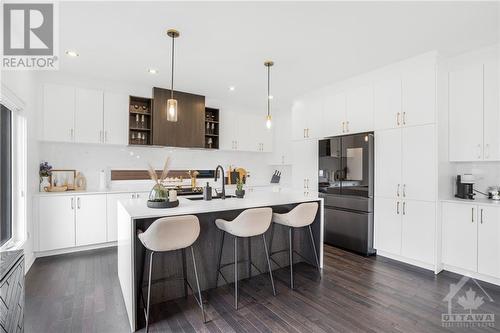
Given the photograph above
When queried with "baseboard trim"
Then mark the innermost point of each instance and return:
(405, 260)
(472, 274)
(41, 254)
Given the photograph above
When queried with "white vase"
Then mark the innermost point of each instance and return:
(44, 183)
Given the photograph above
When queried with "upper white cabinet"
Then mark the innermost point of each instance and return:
(244, 132)
(388, 159)
(359, 109)
(466, 113)
(58, 113)
(334, 114)
(474, 113)
(84, 115)
(282, 147)
(115, 118)
(305, 166)
(307, 117)
(387, 103)
(88, 116)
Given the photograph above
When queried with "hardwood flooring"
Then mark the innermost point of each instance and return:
(81, 293)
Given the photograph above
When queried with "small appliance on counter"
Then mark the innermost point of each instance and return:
(494, 193)
(465, 187)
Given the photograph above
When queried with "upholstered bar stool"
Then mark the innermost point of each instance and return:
(172, 234)
(301, 216)
(250, 223)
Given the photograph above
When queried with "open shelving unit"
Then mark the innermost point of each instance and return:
(140, 121)
(211, 128)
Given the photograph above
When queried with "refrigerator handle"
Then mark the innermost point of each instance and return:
(371, 164)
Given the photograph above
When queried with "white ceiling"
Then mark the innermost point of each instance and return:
(226, 43)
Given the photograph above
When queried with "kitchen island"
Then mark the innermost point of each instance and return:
(134, 214)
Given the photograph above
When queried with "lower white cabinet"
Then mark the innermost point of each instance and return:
(111, 203)
(471, 237)
(406, 228)
(56, 227)
(90, 219)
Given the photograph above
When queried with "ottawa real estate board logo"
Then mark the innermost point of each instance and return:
(30, 36)
(466, 301)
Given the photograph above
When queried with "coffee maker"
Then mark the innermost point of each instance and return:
(465, 187)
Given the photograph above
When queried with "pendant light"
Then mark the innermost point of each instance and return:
(268, 64)
(171, 102)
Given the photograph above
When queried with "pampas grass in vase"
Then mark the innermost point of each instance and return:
(159, 192)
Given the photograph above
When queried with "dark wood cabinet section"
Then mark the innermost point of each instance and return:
(211, 128)
(189, 130)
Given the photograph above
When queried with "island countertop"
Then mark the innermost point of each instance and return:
(137, 209)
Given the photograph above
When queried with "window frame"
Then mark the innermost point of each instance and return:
(10, 226)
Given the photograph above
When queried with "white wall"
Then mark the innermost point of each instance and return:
(24, 85)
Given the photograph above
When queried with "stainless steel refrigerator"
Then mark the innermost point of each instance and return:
(346, 178)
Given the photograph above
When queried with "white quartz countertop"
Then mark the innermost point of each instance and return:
(477, 201)
(137, 208)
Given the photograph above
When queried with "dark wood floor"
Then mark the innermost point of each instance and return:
(81, 293)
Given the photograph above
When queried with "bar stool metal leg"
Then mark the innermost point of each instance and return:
(249, 245)
(290, 239)
(269, 264)
(198, 286)
(314, 249)
(236, 272)
(184, 272)
(149, 290)
(220, 258)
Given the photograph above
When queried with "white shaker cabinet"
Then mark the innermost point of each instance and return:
(491, 112)
(228, 132)
(88, 116)
(307, 117)
(387, 103)
(387, 225)
(460, 235)
(90, 219)
(56, 223)
(466, 113)
(305, 166)
(115, 118)
(359, 109)
(488, 242)
(388, 157)
(58, 119)
(282, 143)
(334, 115)
(244, 132)
(418, 95)
(418, 230)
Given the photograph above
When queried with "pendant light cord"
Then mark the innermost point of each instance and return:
(172, 81)
(268, 89)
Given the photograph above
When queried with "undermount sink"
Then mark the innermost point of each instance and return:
(213, 198)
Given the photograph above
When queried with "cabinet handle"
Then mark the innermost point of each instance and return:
(133, 196)
(347, 126)
(105, 136)
(304, 183)
(343, 127)
(71, 133)
(397, 207)
(481, 216)
(100, 137)
(472, 214)
(404, 118)
(78, 202)
(138, 195)
(479, 151)
(397, 118)
(404, 208)
(397, 191)
(487, 151)
(72, 203)
(304, 135)
(282, 159)
(404, 190)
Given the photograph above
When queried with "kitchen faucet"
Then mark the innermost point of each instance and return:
(223, 194)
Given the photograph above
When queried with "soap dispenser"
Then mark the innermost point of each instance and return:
(207, 192)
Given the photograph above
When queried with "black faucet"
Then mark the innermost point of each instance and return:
(223, 194)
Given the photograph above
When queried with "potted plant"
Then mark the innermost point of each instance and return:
(240, 192)
(45, 172)
(159, 192)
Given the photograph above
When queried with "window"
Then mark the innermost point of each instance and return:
(5, 175)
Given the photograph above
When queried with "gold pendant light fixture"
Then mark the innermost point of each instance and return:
(171, 102)
(268, 64)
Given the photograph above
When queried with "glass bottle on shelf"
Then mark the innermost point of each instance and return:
(213, 128)
(143, 124)
(137, 121)
(133, 138)
(208, 128)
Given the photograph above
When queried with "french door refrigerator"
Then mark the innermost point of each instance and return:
(346, 178)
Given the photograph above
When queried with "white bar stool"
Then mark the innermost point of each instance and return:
(250, 223)
(301, 216)
(171, 234)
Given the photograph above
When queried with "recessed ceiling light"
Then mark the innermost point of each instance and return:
(71, 53)
(152, 71)
(232, 88)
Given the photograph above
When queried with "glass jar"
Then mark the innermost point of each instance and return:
(158, 193)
